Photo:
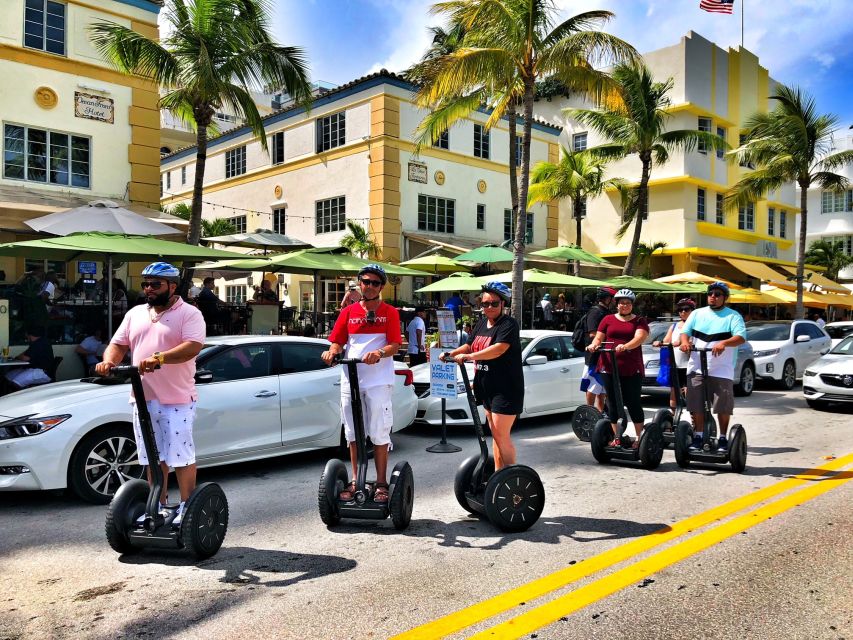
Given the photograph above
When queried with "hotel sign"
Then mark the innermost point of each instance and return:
(418, 172)
(94, 107)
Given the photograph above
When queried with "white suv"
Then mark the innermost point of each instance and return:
(784, 348)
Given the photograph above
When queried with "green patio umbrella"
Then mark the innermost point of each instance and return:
(636, 284)
(486, 254)
(454, 282)
(571, 253)
(434, 264)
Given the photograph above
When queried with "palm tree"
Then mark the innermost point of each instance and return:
(636, 125)
(360, 242)
(829, 254)
(791, 143)
(644, 256)
(213, 53)
(508, 46)
(209, 228)
(578, 176)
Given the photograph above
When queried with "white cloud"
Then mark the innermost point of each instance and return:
(408, 40)
(826, 60)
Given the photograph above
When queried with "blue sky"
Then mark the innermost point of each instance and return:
(803, 42)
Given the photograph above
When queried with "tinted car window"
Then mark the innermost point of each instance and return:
(239, 363)
(836, 333)
(779, 332)
(813, 331)
(569, 349)
(551, 348)
(302, 356)
(845, 347)
(801, 330)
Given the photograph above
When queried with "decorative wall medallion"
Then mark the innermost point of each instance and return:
(481, 186)
(439, 177)
(46, 97)
(278, 191)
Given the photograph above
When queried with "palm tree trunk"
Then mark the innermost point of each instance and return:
(194, 230)
(521, 218)
(642, 198)
(801, 247)
(576, 211)
(513, 171)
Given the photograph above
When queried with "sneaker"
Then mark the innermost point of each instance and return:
(179, 516)
(697, 441)
(722, 443)
(164, 511)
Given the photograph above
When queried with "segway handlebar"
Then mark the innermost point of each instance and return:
(610, 350)
(127, 368)
(339, 360)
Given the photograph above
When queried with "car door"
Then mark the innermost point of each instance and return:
(803, 350)
(546, 386)
(238, 411)
(820, 342)
(310, 394)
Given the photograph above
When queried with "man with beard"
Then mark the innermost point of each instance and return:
(166, 333)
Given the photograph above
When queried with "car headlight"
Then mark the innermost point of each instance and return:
(653, 364)
(809, 372)
(766, 352)
(29, 426)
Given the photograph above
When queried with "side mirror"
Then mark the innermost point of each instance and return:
(203, 376)
(802, 339)
(534, 360)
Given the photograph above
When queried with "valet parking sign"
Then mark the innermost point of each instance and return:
(442, 375)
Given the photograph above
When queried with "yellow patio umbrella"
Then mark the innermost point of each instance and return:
(783, 296)
(693, 276)
(751, 296)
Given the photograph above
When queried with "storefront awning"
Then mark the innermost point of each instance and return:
(760, 271)
(790, 297)
(822, 281)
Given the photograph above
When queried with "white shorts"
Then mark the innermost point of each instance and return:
(378, 414)
(173, 432)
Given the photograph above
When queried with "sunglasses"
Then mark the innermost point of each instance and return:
(371, 283)
(494, 304)
(716, 294)
(152, 285)
(684, 310)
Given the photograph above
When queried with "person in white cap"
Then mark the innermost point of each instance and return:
(351, 296)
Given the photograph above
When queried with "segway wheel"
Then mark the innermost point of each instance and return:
(737, 449)
(515, 498)
(663, 418)
(127, 505)
(402, 495)
(651, 446)
(205, 520)
(683, 439)
(462, 482)
(583, 421)
(332, 482)
(601, 435)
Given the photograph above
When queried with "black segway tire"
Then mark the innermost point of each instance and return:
(402, 495)
(683, 439)
(601, 435)
(651, 446)
(127, 505)
(462, 482)
(664, 419)
(737, 449)
(583, 421)
(332, 482)
(205, 520)
(514, 498)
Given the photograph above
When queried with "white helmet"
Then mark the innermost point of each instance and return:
(625, 293)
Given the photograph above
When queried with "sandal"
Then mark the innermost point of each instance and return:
(635, 444)
(615, 443)
(348, 493)
(381, 494)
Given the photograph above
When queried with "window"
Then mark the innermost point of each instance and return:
(161, 185)
(481, 141)
(37, 155)
(481, 217)
(700, 204)
(509, 226)
(846, 243)
(581, 212)
(519, 148)
(528, 234)
(279, 217)
(443, 141)
(183, 175)
(721, 213)
(836, 201)
(168, 180)
(235, 162)
(331, 215)
(240, 363)
(334, 293)
(277, 154)
(239, 223)
(298, 357)
(44, 26)
(235, 294)
(746, 217)
(569, 348)
(551, 348)
(704, 125)
(331, 131)
(579, 141)
(436, 214)
(771, 221)
(721, 132)
(783, 224)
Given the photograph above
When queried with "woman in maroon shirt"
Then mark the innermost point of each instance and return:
(627, 332)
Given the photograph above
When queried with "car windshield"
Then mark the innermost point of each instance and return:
(836, 333)
(759, 332)
(845, 347)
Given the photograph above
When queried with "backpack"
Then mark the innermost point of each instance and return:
(579, 334)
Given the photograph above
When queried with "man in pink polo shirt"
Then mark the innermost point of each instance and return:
(169, 333)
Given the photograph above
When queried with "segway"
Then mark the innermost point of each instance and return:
(205, 519)
(584, 420)
(709, 451)
(650, 449)
(665, 418)
(401, 488)
(511, 498)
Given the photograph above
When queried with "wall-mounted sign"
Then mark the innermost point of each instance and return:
(418, 172)
(94, 107)
(439, 177)
(86, 267)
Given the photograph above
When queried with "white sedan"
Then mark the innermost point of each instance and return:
(839, 330)
(784, 348)
(830, 379)
(258, 397)
(552, 375)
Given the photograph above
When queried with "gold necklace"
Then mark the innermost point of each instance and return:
(154, 316)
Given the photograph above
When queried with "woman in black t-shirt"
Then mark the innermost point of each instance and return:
(495, 348)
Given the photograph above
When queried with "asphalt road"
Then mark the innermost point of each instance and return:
(618, 553)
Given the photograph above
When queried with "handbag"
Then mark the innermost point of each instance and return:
(665, 371)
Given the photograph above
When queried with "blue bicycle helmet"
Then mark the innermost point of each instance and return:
(376, 270)
(722, 286)
(162, 270)
(499, 289)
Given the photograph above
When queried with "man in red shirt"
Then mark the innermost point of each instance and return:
(370, 330)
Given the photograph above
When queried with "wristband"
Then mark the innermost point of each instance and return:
(381, 353)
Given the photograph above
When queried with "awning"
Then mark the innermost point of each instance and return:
(790, 297)
(820, 280)
(836, 300)
(761, 271)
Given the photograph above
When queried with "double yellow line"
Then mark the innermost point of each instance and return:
(583, 596)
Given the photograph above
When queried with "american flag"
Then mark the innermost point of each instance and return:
(717, 6)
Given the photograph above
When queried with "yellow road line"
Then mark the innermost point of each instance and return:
(473, 614)
(586, 595)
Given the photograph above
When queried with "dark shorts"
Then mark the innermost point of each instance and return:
(508, 404)
(720, 390)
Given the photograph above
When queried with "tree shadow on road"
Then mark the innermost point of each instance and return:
(769, 451)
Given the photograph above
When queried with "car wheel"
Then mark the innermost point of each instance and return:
(103, 461)
(746, 382)
(789, 375)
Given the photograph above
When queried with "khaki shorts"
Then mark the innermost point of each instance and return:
(720, 390)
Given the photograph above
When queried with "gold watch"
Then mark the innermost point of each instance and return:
(160, 357)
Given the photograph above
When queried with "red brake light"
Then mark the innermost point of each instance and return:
(408, 376)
